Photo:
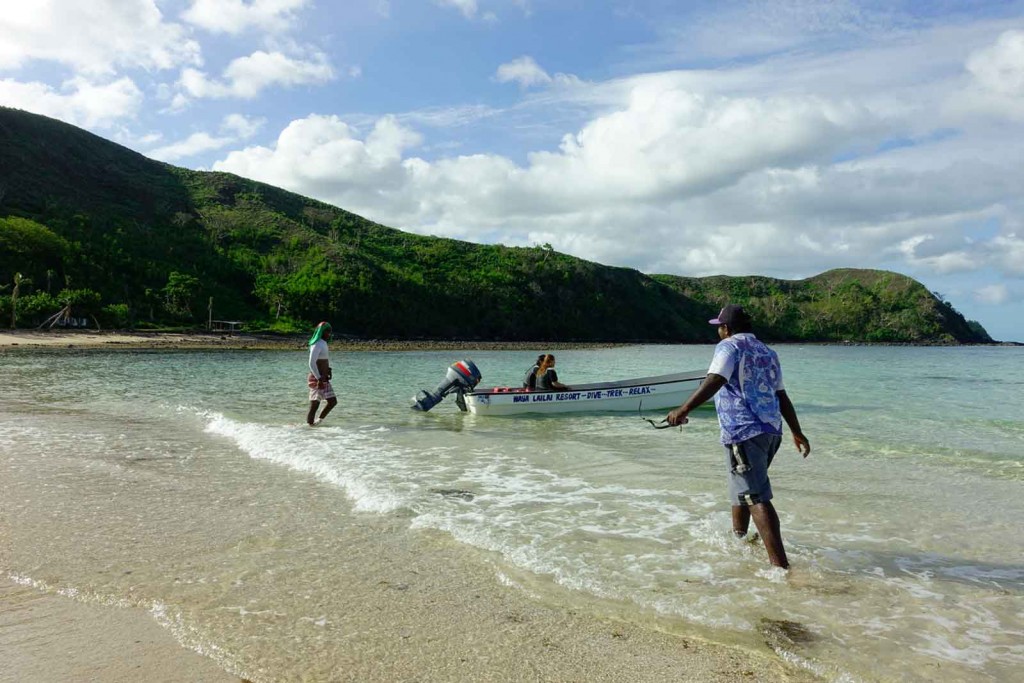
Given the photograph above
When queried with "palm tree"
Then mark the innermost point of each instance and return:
(18, 281)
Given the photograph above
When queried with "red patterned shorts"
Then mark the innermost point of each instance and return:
(319, 391)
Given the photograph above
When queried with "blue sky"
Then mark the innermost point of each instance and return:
(779, 138)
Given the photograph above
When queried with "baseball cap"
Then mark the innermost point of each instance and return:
(730, 315)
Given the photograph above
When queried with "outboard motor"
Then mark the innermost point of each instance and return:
(461, 377)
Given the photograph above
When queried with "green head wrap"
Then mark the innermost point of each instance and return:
(318, 333)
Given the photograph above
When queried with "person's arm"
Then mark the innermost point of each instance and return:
(803, 446)
(708, 388)
(314, 363)
(324, 368)
(319, 366)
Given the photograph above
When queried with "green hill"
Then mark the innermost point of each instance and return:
(134, 242)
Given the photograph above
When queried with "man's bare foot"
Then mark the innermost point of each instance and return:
(751, 537)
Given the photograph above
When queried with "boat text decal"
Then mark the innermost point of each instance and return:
(577, 395)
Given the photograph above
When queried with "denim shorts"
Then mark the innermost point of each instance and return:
(753, 486)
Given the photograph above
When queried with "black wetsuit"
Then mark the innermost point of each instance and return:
(530, 380)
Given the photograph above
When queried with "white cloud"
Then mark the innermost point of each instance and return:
(997, 72)
(246, 77)
(237, 16)
(671, 143)
(525, 6)
(944, 261)
(448, 117)
(467, 7)
(93, 37)
(524, 71)
(178, 102)
(234, 128)
(196, 143)
(1008, 254)
(1000, 68)
(324, 155)
(663, 146)
(79, 101)
(527, 73)
(241, 126)
(992, 294)
(744, 29)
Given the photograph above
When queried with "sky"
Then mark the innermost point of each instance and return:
(740, 137)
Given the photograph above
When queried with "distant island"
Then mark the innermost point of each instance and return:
(109, 237)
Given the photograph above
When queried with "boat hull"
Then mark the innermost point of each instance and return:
(652, 393)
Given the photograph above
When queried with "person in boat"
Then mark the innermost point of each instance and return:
(530, 379)
(319, 379)
(546, 377)
(745, 379)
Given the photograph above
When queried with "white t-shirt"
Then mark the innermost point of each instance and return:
(317, 352)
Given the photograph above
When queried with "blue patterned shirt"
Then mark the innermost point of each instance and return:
(747, 405)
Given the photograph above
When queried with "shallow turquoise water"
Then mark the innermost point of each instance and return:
(902, 526)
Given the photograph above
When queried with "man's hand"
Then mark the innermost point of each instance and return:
(803, 446)
(677, 417)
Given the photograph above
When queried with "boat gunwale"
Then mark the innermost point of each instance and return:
(593, 386)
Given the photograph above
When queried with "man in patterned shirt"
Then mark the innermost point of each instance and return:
(746, 380)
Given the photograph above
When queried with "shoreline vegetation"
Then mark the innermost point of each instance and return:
(205, 341)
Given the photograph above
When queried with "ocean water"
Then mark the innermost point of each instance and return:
(187, 483)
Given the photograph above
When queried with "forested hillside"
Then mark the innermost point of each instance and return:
(135, 242)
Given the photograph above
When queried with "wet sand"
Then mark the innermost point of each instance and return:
(411, 606)
(409, 609)
(46, 638)
(415, 625)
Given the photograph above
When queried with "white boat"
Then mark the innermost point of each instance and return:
(662, 391)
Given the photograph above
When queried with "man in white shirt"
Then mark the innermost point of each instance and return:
(319, 380)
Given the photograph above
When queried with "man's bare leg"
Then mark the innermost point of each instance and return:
(311, 415)
(767, 522)
(331, 402)
(740, 520)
